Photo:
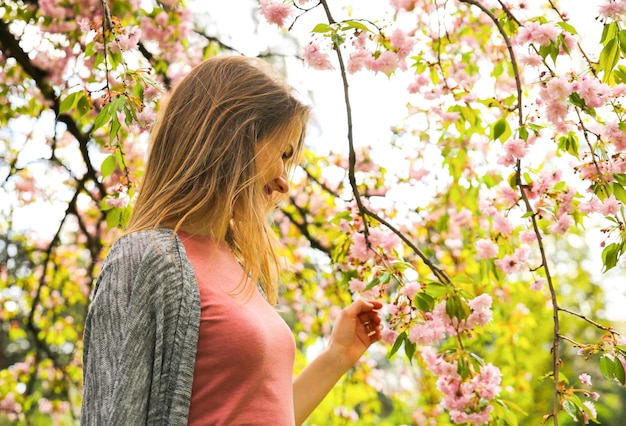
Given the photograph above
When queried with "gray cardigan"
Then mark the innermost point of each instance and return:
(141, 334)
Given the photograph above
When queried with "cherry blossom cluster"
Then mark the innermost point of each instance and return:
(368, 47)
(466, 396)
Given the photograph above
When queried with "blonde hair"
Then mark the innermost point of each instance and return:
(201, 162)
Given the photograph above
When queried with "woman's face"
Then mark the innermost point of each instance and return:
(271, 158)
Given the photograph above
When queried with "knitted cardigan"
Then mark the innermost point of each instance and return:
(141, 334)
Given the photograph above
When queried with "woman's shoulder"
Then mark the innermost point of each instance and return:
(148, 248)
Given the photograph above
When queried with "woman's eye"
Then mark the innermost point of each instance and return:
(288, 154)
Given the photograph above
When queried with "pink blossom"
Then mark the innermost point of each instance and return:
(506, 159)
(359, 249)
(527, 236)
(52, 9)
(410, 289)
(516, 148)
(534, 32)
(389, 336)
(611, 132)
(481, 311)
(420, 81)
(562, 225)
(120, 201)
(508, 264)
(592, 90)
(386, 63)
(595, 396)
(612, 9)
(427, 333)
(559, 88)
(401, 42)
(358, 60)
(129, 38)
(610, 206)
(385, 240)
(502, 225)
(570, 42)
(585, 379)
(537, 284)
(530, 60)
(591, 206)
(486, 249)
(556, 111)
(316, 58)
(275, 12)
(356, 285)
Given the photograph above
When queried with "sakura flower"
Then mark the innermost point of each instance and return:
(516, 148)
(585, 379)
(591, 206)
(562, 225)
(316, 58)
(508, 264)
(559, 88)
(537, 284)
(275, 13)
(356, 285)
(386, 63)
(530, 60)
(592, 90)
(502, 225)
(534, 32)
(612, 9)
(486, 249)
(401, 42)
(120, 201)
(359, 249)
(389, 336)
(610, 206)
(409, 290)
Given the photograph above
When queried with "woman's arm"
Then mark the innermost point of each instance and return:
(357, 328)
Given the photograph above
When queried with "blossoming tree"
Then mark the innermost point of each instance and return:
(484, 221)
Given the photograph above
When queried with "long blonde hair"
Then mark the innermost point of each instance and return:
(201, 162)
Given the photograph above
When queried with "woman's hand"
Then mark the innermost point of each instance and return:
(357, 327)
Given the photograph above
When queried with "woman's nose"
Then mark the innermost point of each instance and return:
(282, 183)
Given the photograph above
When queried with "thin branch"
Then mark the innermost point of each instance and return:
(518, 181)
(590, 321)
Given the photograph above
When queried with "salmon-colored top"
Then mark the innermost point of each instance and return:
(244, 361)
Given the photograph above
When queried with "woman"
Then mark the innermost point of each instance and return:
(181, 329)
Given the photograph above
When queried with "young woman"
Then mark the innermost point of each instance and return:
(182, 329)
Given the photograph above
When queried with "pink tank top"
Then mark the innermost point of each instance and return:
(244, 362)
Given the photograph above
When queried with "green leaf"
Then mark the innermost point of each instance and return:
(397, 344)
(69, 102)
(499, 128)
(424, 302)
(83, 105)
(619, 192)
(606, 367)
(103, 117)
(618, 371)
(571, 409)
(322, 28)
(456, 308)
(409, 349)
(610, 255)
(567, 27)
(357, 25)
(108, 166)
(620, 178)
(609, 56)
